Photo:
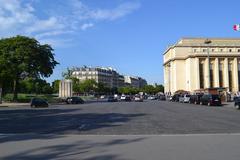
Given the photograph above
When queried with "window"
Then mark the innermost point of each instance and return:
(238, 50)
(204, 50)
(195, 50)
(201, 74)
(239, 75)
(230, 50)
(221, 75)
(221, 50)
(213, 50)
(211, 75)
(230, 76)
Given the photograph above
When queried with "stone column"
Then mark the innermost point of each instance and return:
(207, 76)
(225, 74)
(197, 74)
(216, 73)
(235, 75)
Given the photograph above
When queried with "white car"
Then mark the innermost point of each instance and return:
(123, 97)
(184, 98)
(138, 98)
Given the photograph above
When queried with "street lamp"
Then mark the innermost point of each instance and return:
(207, 42)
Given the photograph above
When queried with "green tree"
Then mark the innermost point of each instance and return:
(67, 74)
(26, 57)
(88, 86)
(55, 86)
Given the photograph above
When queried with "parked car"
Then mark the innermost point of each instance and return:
(74, 100)
(175, 98)
(210, 100)
(195, 98)
(128, 99)
(162, 98)
(138, 98)
(38, 102)
(112, 99)
(122, 98)
(184, 98)
(152, 97)
(237, 102)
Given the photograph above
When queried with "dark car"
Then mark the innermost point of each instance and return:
(74, 100)
(112, 99)
(175, 98)
(38, 102)
(237, 102)
(128, 99)
(210, 100)
(162, 98)
(195, 98)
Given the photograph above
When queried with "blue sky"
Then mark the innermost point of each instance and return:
(129, 35)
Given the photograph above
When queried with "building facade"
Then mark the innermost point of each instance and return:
(187, 66)
(107, 76)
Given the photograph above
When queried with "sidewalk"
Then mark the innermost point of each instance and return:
(6, 104)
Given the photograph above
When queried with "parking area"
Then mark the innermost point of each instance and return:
(122, 118)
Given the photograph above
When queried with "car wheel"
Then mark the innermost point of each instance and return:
(209, 104)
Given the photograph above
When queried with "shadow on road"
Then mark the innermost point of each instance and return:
(84, 150)
(48, 121)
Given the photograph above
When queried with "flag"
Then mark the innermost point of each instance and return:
(236, 27)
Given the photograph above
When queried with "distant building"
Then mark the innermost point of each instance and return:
(186, 65)
(108, 76)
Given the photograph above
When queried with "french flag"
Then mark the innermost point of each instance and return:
(236, 27)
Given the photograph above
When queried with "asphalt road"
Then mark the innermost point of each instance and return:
(121, 118)
(120, 131)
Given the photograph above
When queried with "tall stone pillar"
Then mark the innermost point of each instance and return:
(225, 74)
(216, 73)
(207, 76)
(235, 75)
(197, 74)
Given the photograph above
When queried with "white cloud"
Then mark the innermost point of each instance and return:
(22, 17)
(44, 25)
(86, 26)
(113, 14)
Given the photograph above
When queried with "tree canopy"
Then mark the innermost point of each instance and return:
(22, 57)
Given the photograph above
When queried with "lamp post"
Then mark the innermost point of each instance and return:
(207, 42)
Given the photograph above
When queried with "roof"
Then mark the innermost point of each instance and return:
(200, 42)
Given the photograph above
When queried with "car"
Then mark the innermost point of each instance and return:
(237, 102)
(112, 99)
(152, 97)
(184, 98)
(210, 100)
(74, 100)
(162, 98)
(38, 102)
(122, 98)
(175, 98)
(195, 98)
(138, 98)
(128, 99)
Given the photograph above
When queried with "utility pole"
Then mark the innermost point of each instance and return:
(207, 42)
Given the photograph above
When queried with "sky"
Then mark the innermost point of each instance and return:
(128, 35)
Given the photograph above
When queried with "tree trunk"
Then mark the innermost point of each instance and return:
(15, 90)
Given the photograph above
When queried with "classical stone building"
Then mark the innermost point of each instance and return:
(187, 66)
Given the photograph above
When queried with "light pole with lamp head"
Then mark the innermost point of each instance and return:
(207, 42)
